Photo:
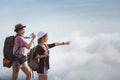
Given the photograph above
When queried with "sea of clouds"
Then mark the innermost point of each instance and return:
(86, 58)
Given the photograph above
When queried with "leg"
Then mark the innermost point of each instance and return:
(27, 72)
(46, 77)
(43, 77)
(15, 72)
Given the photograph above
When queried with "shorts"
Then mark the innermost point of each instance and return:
(45, 72)
(18, 63)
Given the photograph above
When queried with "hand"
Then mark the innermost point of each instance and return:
(33, 36)
(67, 42)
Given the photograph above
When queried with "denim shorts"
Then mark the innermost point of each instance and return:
(18, 63)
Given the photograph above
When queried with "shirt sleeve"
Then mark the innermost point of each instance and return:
(21, 42)
(51, 45)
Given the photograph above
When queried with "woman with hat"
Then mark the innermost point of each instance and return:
(19, 49)
(42, 54)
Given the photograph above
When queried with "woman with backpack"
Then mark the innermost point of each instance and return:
(42, 54)
(18, 52)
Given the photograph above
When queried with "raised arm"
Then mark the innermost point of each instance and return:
(32, 40)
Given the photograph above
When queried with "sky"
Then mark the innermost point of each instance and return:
(92, 26)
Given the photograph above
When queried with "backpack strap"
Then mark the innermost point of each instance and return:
(17, 49)
(14, 41)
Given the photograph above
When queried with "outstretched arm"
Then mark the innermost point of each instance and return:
(57, 44)
(62, 43)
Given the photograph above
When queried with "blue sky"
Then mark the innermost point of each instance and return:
(84, 15)
(93, 26)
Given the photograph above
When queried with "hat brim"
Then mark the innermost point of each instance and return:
(20, 28)
(42, 35)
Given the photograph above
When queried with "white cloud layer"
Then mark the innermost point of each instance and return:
(86, 58)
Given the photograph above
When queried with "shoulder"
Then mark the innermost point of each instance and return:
(19, 38)
(39, 48)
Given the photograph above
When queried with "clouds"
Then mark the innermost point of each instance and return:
(94, 51)
(87, 58)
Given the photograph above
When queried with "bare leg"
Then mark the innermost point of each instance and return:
(27, 72)
(46, 77)
(43, 77)
(15, 68)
